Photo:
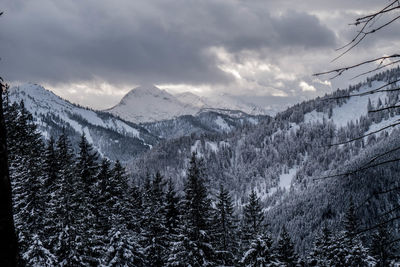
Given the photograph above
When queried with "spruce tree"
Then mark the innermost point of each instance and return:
(225, 229)
(347, 248)
(320, 254)
(154, 232)
(381, 247)
(66, 206)
(27, 177)
(253, 224)
(259, 253)
(194, 247)
(51, 184)
(172, 212)
(86, 169)
(123, 251)
(285, 249)
(8, 242)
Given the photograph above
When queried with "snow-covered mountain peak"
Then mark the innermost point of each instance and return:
(145, 90)
(193, 99)
(33, 90)
(148, 103)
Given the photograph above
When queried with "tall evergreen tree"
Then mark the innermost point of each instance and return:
(27, 177)
(225, 229)
(320, 254)
(51, 184)
(194, 247)
(285, 249)
(382, 247)
(253, 224)
(86, 170)
(8, 242)
(154, 232)
(172, 212)
(260, 253)
(347, 249)
(66, 206)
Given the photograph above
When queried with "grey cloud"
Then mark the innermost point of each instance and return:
(126, 42)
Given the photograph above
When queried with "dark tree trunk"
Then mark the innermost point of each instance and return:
(8, 240)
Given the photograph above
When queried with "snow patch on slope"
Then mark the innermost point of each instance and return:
(353, 109)
(285, 179)
(222, 124)
(40, 101)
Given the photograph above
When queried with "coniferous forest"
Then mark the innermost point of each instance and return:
(75, 208)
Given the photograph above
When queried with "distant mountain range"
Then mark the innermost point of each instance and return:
(150, 104)
(118, 137)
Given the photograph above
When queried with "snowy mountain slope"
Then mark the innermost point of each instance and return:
(113, 137)
(149, 103)
(204, 122)
(281, 157)
(221, 102)
(110, 135)
(353, 109)
(193, 100)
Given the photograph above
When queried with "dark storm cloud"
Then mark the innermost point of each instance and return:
(143, 41)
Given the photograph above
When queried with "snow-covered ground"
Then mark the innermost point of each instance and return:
(354, 108)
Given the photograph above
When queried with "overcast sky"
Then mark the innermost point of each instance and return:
(93, 51)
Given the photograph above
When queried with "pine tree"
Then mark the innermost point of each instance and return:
(86, 170)
(320, 254)
(104, 200)
(253, 219)
(350, 224)
(26, 177)
(66, 206)
(37, 255)
(381, 248)
(194, 247)
(154, 232)
(348, 249)
(172, 212)
(260, 253)
(51, 184)
(8, 243)
(285, 249)
(123, 251)
(225, 230)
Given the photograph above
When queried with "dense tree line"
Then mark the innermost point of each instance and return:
(74, 208)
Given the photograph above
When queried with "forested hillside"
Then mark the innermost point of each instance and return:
(297, 189)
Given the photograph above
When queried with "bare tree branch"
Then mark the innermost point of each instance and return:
(368, 134)
(341, 70)
(374, 70)
(385, 108)
(357, 170)
(374, 91)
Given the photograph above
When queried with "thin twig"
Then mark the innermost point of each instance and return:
(356, 65)
(361, 137)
